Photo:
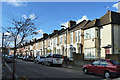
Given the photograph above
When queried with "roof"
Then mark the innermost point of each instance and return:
(78, 26)
(91, 24)
(110, 17)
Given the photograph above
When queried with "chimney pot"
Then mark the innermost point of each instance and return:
(71, 23)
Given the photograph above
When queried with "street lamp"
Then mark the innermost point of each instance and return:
(3, 51)
(66, 37)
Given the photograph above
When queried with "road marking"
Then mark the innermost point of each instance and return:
(10, 69)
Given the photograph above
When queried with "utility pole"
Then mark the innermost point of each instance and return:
(2, 48)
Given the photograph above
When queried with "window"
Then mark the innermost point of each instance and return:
(71, 38)
(90, 33)
(79, 36)
(103, 63)
(90, 53)
(48, 43)
(45, 43)
(114, 62)
(97, 32)
(61, 40)
(51, 42)
(57, 41)
(76, 36)
(57, 56)
(65, 39)
(96, 62)
(80, 51)
(54, 41)
(49, 56)
(86, 35)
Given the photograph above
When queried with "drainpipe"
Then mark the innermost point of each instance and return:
(112, 38)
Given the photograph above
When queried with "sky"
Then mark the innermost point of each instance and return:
(54, 14)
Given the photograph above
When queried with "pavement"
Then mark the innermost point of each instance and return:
(72, 67)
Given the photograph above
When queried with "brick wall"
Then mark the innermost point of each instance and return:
(78, 60)
(74, 37)
(68, 38)
(77, 56)
(113, 57)
(82, 41)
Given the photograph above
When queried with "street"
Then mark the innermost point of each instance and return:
(30, 70)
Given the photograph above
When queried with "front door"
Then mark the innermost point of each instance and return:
(107, 51)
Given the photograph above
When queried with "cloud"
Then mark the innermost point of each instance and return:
(40, 31)
(32, 16)
(79, 20)
(65, 24)
(39, 35)
(24, 16)
(17, 3)
(83, 18)
(7, 33)
(115, 5)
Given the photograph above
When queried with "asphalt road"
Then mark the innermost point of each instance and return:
(32, 71)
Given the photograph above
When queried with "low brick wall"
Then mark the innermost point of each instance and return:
(113, 57)
(78, 60)
(77, 56)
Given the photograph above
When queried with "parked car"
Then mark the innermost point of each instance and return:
(30, 58)
(9, 58)
(39, 59)
(4, 56)
(108, 68)
(52, 59)
(25, 58)
(20, 57)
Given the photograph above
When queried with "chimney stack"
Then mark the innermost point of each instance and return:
(71, 23)
(55, 31)
(45, 35)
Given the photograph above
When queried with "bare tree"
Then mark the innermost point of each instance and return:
(21, 29)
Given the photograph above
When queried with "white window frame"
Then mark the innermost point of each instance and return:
(65, 38)
(79, 36)
(76, 36)
(71, 35)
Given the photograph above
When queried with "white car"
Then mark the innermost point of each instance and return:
(39, 59)
(52, 59)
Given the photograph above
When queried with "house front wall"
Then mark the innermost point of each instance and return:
(41, 48)
(106, 38)
(116, 39)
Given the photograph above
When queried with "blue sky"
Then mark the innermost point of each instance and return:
(53, 14)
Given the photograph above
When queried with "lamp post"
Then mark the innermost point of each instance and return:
(2, 47)
(3, 51)
(66, 37)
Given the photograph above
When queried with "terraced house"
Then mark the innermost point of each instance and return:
(76, 38)
(94, 38)
(102, 36)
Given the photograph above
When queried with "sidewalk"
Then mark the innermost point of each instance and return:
(70, 65)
